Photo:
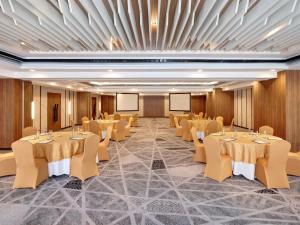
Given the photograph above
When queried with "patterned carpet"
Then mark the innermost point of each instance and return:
(149, 180)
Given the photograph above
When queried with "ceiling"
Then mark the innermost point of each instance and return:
(148, 46)
(199, 28)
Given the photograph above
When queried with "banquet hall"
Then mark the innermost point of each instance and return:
(149, 112)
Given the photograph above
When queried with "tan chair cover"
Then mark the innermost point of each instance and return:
(293, 164)
(106, 116)
(205, 116)
(230, 129)
(266, 130)
(212, 127)
(186, 130)
(117, 117)
(30, 171)
(127, 127)
(7, 164)
(271, 171)
(191, 116)
(199, 155)
(84, 165)
(102, 147)
(28, 131)
(85, 126)
(172, 123)
(200, 115)
(118, 134)
(218, 167)
(178, 127)
(135, 120)
(94, 127)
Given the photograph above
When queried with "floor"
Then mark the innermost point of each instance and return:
(149, 180)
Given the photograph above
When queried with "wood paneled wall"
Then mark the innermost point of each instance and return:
(269, 99)
(154, 106)
(199, 104)
(10, 111)
(243, 108)
(28, 98)
(107, 104)
(83, 105)
(220, 103)
(293, 108)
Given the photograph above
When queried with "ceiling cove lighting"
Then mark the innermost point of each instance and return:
(32, 70)
(105, 83)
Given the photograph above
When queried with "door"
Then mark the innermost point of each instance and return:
(111, 104)
(54, 111)
(199, 104)
(94, 107)
(154, 106)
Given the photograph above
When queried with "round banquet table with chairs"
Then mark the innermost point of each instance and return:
(58, 149)
(200, 126)
(123, 116)
(104, 124)
(244, 148)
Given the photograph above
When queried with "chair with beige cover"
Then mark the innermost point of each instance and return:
(220, 121)
(94, 127)
(106, 117)
(28, 131)
(135, 120)
(117, 116)
(205, 116)
(271, 171)
(127, 127)
(266, 130)
(102, 146)
(118, 134)
(84, 165)
(186, 130)
(85, 125)
(231, 128)
(200, 115)
(218, 166)
(7, 164)
(178, 127)
(172, 123)
(199, 155)
(212, 127)
(30, 171)
(191, 116)
(293, 164)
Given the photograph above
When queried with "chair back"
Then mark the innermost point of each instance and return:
(186, 130)
(108, 135)
(90, 149)
(94, 127)
(176, 122)
(171, 116)
(278, 156)
(212, 127)
(205, 116)
(266, 129)
(117, 117)
(190, 116)
(135, 117)
(232, 123)
(106, 116)
(120, 126)
(220, 118)
(101, 116)
(194, 135)
(28, 131)
(130, 121)
(212, 150)
(85, 118)
(200, 115)
(23, 151)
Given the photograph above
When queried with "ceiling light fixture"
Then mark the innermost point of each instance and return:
(109, 70)
(23, 43)
(52, 83)
(32, 70)
(200, 70)
(272, 70)
(69, 86)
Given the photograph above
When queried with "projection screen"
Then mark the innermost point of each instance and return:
(180, 101)
(127, 102)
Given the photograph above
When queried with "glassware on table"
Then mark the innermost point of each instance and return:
(37, 134)
(50, 134)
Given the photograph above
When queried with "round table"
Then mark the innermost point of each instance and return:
(123, 117)
(244, 150)
(58, 149)
(104, 124)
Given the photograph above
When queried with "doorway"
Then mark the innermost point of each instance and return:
(154, 106)
(94, 107)
(54, 111)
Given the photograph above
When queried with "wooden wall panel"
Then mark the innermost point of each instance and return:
(83, 105)
(28, 98)
(10, 111)
(243, 107)
(154, 106)
(111, 104)
(269, 101)
(293, 109)
(220, 103)
(199, 104)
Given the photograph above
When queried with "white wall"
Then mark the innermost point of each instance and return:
(243, 108)
(40, 101)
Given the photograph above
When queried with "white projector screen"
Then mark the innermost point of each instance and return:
(127, 102)
(180, 102)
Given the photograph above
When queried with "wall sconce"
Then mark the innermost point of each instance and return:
(32, 110)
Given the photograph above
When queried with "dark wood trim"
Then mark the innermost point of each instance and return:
(138, 102)
(180, 110)
(40, 108)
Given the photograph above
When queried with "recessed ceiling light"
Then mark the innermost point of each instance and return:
(200, 70)
(23, 43)
(101, 93)
(272, 70)
(32, 70)
(69, 86)
(52, 83)
(80, 89)
(109, 70)
(133, 89)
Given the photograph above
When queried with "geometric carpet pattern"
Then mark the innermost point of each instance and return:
(150, 179)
